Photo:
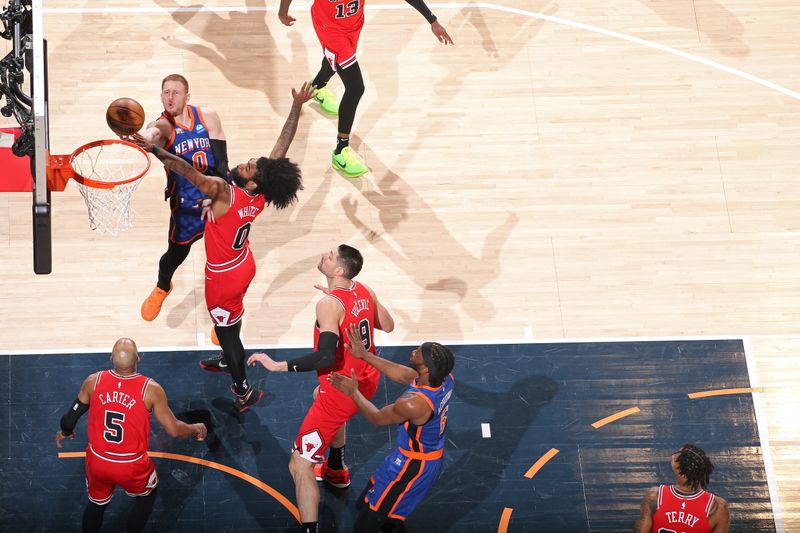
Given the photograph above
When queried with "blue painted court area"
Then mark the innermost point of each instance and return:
(535, 397)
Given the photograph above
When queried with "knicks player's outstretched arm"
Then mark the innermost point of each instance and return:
(157, 132)
(644, 524)
(398, 373)
(156, 400)
(299, 98)
(407, 407)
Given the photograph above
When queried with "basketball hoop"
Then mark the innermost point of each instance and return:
(107, 172)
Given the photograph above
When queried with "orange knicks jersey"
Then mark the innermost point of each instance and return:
(227, 243)
(343, 15)
(679, 513)
(119, 422)
(359, 309)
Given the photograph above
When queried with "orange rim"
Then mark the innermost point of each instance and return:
(83, 180)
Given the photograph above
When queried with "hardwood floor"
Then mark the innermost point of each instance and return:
(537, 177)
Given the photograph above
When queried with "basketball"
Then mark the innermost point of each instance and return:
(125, 116)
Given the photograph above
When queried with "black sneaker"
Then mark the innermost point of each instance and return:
(215, 364)
(248, 400)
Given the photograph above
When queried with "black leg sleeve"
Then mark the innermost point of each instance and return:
(140, 512)
(353, 90)
(93, 517)
(170, 261)
(233, 349)
(324, 75)
(368, 521)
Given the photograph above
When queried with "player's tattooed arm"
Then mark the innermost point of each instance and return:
(644, 524)
(211, 186)
(300, 97)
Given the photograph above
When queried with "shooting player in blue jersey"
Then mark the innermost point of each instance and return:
(195, 135)
(407, 474)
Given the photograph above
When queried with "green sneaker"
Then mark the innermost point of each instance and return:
(348, 163)
(327, 101)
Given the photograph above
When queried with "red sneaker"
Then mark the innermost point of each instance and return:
(338, 478)
(319, 470)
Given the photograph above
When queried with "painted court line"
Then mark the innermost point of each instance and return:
(616, 416)
(721, 392)
(504, 520)
(763, 434)
(280, 498)
(540, 463)
(486, 431)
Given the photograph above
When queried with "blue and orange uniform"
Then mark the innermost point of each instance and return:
(406, 476)
(192, 143)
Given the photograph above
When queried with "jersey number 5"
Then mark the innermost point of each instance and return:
(352, 9)
(114, 429)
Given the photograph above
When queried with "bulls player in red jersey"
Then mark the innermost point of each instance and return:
(684, 507)
(338, 25)
(119, 402)
(346, 303)
(230, 266)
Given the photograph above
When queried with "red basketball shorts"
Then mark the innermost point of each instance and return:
(326, 415)
(338, 44)
(225, 290)
(137, 478)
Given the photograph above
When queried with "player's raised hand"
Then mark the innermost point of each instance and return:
(207, 213)
(60, 436)
(305, 93)
(347, 385)
(441, 33)
(354, 343)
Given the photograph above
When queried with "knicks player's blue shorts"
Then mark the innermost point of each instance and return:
(185, 225)
(401, 483)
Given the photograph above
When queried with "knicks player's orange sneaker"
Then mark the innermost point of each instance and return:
(152, 304)
(214, 338)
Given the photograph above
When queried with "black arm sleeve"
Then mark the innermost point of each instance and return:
(220, 149)
(420, 6)
(70, 419)
(322, 358)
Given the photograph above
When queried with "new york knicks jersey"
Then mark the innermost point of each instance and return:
(191, 143)
(428, 437)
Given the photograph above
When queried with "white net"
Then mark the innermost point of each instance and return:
(104, 166)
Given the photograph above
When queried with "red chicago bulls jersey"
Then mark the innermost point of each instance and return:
(346, 15)
(681, 513)
(119, 422)
(227, 243)
(359, 309)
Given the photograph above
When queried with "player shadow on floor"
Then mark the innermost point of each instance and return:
(395, 199)
(469, 480)
(244, 50)
(706, 17)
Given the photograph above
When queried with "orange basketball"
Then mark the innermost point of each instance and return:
(125, 116)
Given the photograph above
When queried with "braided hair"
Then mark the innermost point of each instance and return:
(439, 360)
(694, 465)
